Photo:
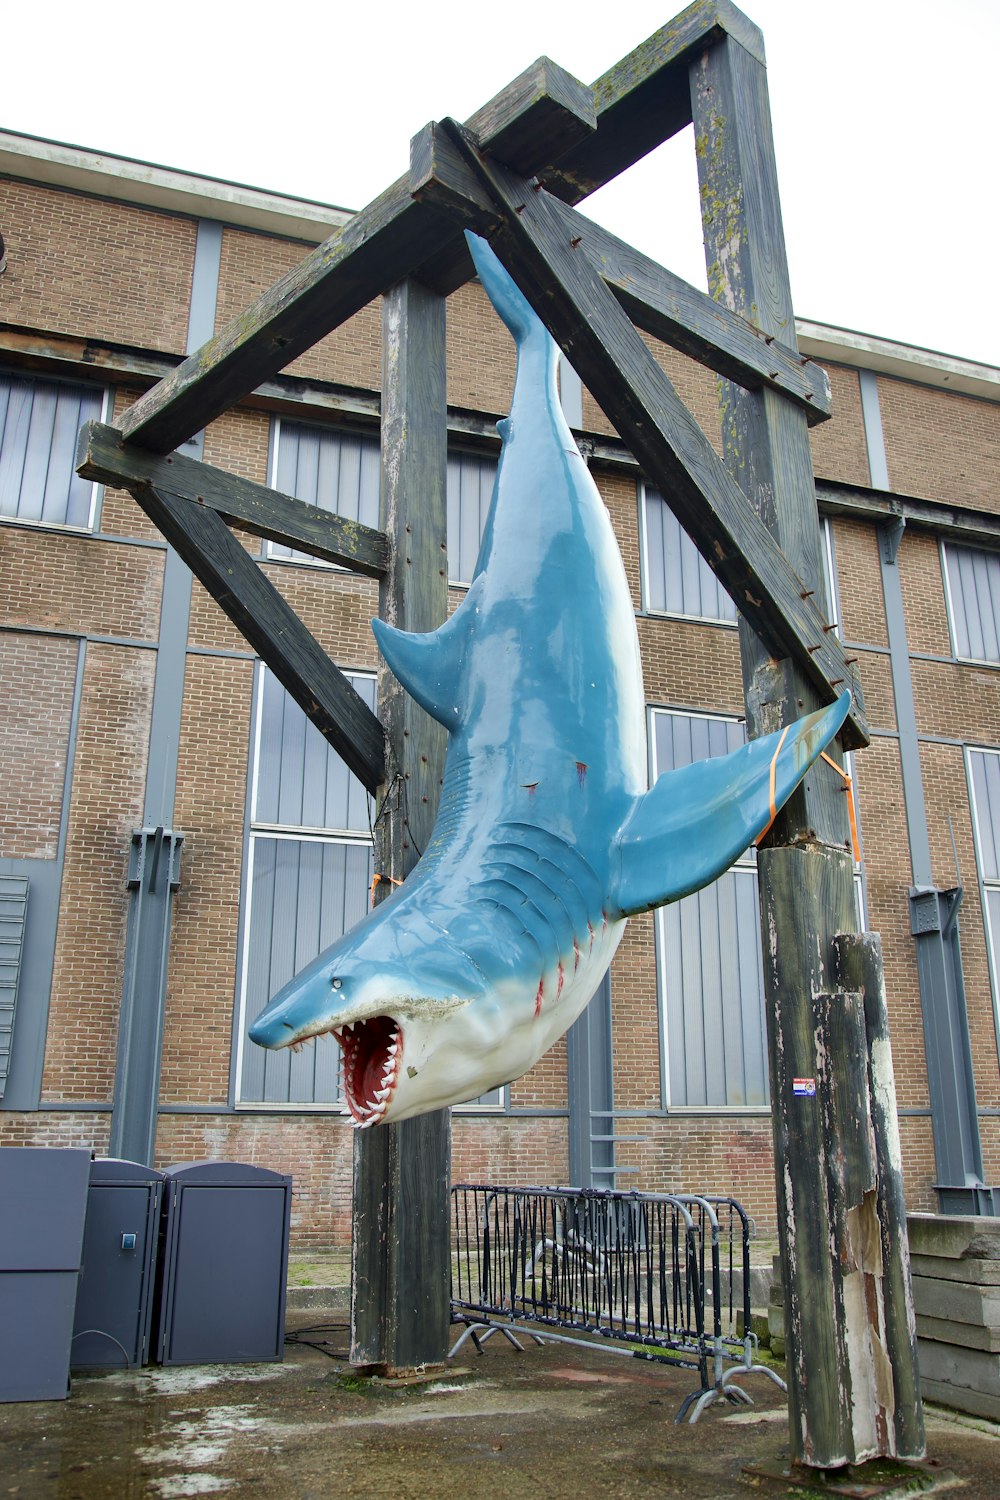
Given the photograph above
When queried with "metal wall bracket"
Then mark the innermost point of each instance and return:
(154, 873)
(890, 535)
(950, 1079)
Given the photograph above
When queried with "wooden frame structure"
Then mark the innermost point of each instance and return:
(515, 172)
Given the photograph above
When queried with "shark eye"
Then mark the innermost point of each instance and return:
(338, 984)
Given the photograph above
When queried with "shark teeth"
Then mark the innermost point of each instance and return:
(372, 1053)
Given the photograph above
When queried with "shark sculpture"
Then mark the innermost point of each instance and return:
(546, 837)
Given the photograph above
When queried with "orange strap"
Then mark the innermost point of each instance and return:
(849, 789)
(375, 880)
(774, 768)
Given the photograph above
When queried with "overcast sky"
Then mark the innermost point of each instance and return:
(884, 118)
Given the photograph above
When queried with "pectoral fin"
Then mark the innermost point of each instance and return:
(694, 822)
(430, 666)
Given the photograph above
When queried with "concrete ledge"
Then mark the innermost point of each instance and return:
(966, 1335)
(957, 1302)
(953, 1237)
(337, 1297)
(967, 1269)
(975, 1402)
(967, 1369)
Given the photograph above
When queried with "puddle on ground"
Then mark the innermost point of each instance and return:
(179, 1380)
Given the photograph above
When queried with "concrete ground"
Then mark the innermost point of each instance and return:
(552, 1423)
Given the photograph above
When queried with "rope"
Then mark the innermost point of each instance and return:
(848, 788)
(851, 813)
(376, 878)
(774, 768)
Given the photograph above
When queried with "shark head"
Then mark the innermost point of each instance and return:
(416, 1029)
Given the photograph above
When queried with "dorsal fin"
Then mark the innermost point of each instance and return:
(688, 829)
(430, 666)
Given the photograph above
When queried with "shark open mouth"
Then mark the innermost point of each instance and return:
(373, 1051)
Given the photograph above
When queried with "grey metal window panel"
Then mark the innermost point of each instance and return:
(301, 781)
(710, 973)
(303, 894)
(680, 739)
(992, 903)
(13, 921)
(974, 592)
(713, 1005)
(303, 891)
(985, 768)
(677, 578)
(471, 478)
(338, 471)
(39, 422)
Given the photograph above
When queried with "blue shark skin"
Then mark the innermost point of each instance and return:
(546, 838)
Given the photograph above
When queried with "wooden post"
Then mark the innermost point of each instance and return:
(402, 1173)
(838, 1414)
(859, 957)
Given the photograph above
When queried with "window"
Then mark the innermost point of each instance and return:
(676, 579)
(470, 490)
(984, 789)
(39, 423)
(13, 917)
(337, 471)
(708, 954)
(828, 571)
(972, 590)
(709, 969)
(309, 871)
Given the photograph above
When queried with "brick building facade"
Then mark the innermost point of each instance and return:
(127, 700)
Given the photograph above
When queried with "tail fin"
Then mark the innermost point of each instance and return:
(510, 303)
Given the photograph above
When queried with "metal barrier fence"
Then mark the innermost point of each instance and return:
(660, 1276)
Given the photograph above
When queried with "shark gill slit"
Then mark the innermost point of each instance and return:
(549, 873)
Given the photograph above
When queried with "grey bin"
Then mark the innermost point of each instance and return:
(43, 1199)
(114, 1305)
(225, 1264)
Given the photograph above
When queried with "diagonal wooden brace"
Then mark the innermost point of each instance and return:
(583, 316)
(264, 512)
(655, 299)
(246, 594)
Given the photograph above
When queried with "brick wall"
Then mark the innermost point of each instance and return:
(941, 445)
(214, 755)
(839, 450)
(37, 682)
(252, 263)
(78, 584)
(105, 806)
(77, 264)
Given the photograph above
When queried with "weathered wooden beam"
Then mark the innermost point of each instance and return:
(334, 281)
(401, 1307)
(102, 455)
(859, 967)
(846, 1377)
(644, 99)
(624, 378)
(672, 310)
(379, 247)
(655, 299)
(245, 593)
(545, 110)
(638, 104)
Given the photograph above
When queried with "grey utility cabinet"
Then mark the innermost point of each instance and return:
(225, 1264)
(114, 1305)
(43, 1200)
